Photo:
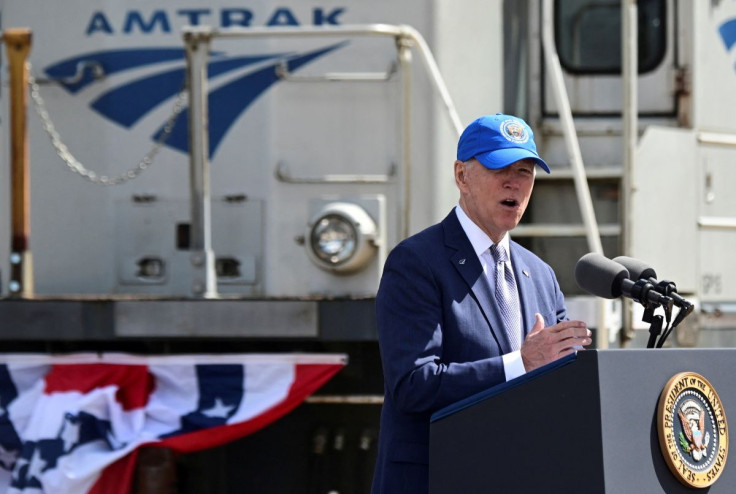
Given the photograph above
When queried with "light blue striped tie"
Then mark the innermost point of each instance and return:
(507, 296)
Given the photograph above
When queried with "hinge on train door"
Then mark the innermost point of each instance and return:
(683, 96)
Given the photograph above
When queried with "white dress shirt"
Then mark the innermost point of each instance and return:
(513, 366)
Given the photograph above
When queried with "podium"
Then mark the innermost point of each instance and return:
(588, 423)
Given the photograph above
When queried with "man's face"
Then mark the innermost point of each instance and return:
(495, 199)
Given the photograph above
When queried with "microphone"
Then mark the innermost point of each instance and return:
(640, 270)
(605, 278)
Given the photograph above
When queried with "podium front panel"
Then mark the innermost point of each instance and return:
(587, 426)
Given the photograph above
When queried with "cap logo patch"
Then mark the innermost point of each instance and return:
(514, 131)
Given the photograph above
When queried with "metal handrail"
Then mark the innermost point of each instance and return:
(406, 37)
(716, 138)
(396, 31)
(717, 222)
(283, 174)
(204, 276)
(18, 45)
(630, 116)
(573, 149)
(568, 127)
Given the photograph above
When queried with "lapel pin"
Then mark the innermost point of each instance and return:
(525, 272)
(461, 261)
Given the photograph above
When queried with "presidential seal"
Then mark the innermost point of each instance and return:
(514, 131)
(692, 428)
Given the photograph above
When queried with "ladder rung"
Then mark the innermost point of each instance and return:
(562, 230)
(603, 173)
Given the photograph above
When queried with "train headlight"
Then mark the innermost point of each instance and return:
(341, 237)
(332, 239)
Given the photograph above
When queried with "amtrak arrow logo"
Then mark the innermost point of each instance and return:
(127, 103)
(727, 30)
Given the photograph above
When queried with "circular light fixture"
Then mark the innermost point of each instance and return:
(341, 237)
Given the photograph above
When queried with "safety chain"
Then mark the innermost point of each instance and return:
(79, 168)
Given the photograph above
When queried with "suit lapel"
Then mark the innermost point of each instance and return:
(466, 263)
(525, 284)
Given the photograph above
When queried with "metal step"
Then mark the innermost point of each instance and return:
(598, 173)
(562, 230)
(610, 173)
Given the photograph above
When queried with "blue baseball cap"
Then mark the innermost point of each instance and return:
(498, 141)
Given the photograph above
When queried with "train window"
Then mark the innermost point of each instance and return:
(588, 35)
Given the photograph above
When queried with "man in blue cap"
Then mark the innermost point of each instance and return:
(461, 307)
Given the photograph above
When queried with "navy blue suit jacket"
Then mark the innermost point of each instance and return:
(441, 339)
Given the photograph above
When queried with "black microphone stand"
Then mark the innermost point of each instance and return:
(655, 326)
(669, 289)
(640, 292)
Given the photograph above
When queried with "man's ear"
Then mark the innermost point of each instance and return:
(461, 174)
